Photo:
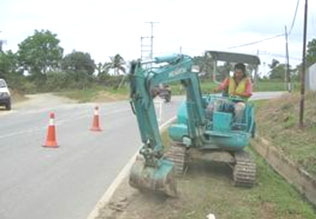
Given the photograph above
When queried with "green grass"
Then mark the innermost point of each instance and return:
(91, 94)
(207, 188)
(278, 122)
(207, 87)
(270, 86)
(84, 95)
(274, 189)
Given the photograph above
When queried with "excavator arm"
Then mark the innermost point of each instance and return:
(151, 170)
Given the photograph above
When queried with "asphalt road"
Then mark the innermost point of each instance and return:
(66, 182)
(266, 95)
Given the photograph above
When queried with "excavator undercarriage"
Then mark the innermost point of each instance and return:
(242, 164)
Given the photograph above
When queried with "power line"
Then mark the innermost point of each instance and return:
(266, 53)
(255, 42)
(294, 18)
(270, 38)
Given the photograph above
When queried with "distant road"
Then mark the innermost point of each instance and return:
(267, 95)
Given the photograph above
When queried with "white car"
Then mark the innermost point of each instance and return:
(5, 96)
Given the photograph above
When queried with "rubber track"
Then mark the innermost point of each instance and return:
(244, 173)
(177, 154)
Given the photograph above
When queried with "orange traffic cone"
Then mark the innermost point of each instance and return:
(51, 135)
(95, 123)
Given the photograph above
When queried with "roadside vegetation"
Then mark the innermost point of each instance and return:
(40, 65)
(278, 122)
(207, 86)
(96, 94)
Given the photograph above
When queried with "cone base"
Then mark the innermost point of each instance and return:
(50, 145)
(96, 129)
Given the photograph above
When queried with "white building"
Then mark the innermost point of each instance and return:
(310, 82)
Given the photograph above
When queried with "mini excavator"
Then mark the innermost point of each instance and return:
(199, 133)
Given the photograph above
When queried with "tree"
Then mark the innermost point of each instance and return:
(78, 62)
(8, 64)
(274, 63)
(205, 64)
(117, 63)
(40, 53)
(311, 52)
(10, 71)
(102, 68)
(79, 68)
(277, 70)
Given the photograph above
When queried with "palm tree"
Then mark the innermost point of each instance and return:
(117, 63)
(102, 68)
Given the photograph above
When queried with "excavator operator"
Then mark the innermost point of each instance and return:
(237, 86)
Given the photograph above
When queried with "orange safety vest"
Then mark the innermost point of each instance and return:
(240, 88)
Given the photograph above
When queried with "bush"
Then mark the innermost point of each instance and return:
(21, 83)
(68, 80)
(109, 80)
(56, 81)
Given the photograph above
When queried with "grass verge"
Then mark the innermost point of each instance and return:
(96, 94)
(207, 188)
(278, 122)
(207, 86)
(101, 94)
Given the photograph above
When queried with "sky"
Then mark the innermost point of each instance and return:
(104, 28)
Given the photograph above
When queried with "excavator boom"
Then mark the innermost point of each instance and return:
(152, 171)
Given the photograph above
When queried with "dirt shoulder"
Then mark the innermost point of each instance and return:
(95, 95)
(36, 101)
(41, 100)
(206, 188)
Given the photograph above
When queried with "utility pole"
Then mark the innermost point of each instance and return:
(303, 70)
(1, 42)
(288, 76)
(148, 47)
(255, 76)
(144, 48)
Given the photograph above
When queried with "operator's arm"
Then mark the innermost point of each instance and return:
(222, 85)
(248, 91)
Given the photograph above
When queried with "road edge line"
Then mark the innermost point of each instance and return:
(118, 180)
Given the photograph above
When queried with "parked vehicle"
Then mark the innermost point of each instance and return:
(5, 96)
(163, 91)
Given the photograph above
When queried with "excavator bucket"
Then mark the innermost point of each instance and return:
(160, 179)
